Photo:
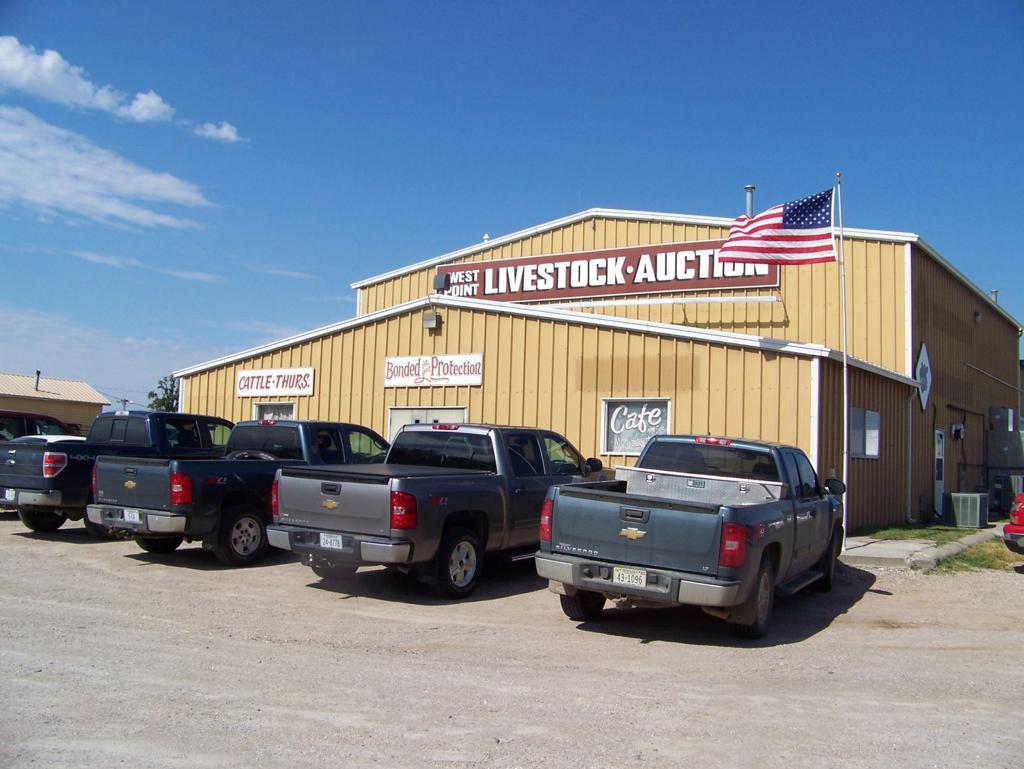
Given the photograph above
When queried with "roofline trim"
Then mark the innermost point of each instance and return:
(610, 213)
(541, 312)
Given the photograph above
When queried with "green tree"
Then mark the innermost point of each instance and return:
(165, 396)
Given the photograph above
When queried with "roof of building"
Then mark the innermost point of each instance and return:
(546, 312)
(653, 216)
(50, 388)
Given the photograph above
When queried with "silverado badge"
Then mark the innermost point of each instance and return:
(328, 504)
(632, 533)
(129, 484)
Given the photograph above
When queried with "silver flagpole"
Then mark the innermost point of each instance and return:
(846, 406)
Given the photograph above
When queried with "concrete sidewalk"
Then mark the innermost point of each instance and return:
(920, 554)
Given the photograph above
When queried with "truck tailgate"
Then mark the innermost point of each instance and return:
(637, 530)
(135, 482)
(21, 466)
(336, 498)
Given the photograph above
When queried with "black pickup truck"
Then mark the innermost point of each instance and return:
(51, 482)
(223, 502)
(446, 495)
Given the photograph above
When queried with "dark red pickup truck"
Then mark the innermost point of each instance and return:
(1013, 532)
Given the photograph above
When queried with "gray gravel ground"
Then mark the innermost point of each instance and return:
(112, 657)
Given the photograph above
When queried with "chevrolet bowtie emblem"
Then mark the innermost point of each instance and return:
(329, 504)
(632, 533)
(129, 484)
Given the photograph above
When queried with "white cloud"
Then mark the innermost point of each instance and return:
(54, 171)
(59, 346)
(225, 132)
(146, 107)
(279, 272)
(107, 259)
(201, 277)
(48, 75)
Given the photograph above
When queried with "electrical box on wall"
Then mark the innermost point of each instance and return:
(956, 431)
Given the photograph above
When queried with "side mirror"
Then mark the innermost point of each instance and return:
(594, 465)
(835, 487)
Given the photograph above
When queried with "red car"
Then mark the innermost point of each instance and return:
(14, 424)
(1013, 532)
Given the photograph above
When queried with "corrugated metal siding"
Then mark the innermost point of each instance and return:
(877, 487)
(809, 310)
(537, 372)
(944, 311)
(50, 389)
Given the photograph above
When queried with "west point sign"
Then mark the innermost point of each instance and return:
(668, 267)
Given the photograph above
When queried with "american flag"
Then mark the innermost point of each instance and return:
(792, 233)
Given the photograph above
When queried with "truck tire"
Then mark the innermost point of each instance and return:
(584, 606)
(41, 520)
(760, 603)
(458, 563)
(158, 545)
(827, 565)
(242, 539)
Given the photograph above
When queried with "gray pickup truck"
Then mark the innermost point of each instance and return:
(445, 495)
(225, 501)
(714, 522)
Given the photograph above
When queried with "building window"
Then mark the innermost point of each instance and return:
(628, 423)
(865, 433)
(273, 411)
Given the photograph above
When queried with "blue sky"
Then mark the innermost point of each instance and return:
(180, 180)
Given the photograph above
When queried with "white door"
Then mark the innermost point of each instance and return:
(422, 416)
(940, 472)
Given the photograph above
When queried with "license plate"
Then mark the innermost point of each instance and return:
(333, 541)
(9, 495)
(131, 515)
(633, 577)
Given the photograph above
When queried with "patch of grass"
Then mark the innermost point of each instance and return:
(988, 555)
(940, 535)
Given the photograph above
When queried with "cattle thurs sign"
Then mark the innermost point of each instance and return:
(687, 266)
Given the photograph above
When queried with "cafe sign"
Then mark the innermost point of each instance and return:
(273, 381)
(434, 371)
(628, 423)
(668, 267)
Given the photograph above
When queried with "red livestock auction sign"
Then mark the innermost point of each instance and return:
(668, 267)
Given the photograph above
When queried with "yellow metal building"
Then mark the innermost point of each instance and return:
(72, 401)
(611, 325)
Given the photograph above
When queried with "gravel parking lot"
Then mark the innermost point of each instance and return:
(110, 656)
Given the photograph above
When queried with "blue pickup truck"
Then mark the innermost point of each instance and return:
(714, 522)
(223, 502)
(50, 481)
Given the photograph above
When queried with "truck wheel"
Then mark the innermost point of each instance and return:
(584, 606)
(41, 520)
(760, 603)
(97, 530)
(458, 563)
(242, 540)
(827, 565)
(158, 545)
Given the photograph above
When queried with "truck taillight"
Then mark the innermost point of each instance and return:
(734, 545)
(53, 463)
(710, 441)
(545, 519)
(403, 510)
(1017, 511)
(275, 508)
(181, 489)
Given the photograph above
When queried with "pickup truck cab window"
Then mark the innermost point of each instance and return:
(465, 451)
(365, 447)
(808, 478)
(328, 445)
(11, 428)
(49, 427)
(182, 433)
(524, 455)
(563, 459)
(217, 433)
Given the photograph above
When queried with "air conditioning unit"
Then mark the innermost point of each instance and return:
(970, 511)
(1017, 484)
